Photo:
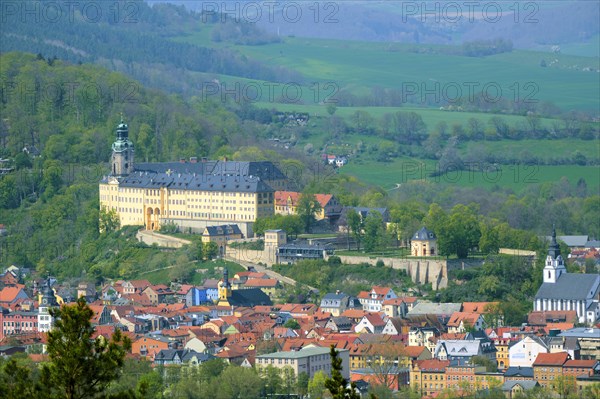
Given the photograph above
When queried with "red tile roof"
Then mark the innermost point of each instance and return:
(9, 294)
(476, 307)
(581, 363)
(458, 317)
(432, 365)
(261, 282)
(551, 359)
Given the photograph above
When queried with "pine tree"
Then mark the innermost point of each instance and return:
(81, 366)
(337, 385)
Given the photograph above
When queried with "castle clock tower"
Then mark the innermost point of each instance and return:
(122, 152)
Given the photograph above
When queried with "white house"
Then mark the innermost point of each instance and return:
(372, 301)
(524, 352)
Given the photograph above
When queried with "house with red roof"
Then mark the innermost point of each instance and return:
(372, 301)
(428, 377)
(578, 368)
(460, 322)
(549, 366)
(371, 323)
(286, 203)
(9, 295)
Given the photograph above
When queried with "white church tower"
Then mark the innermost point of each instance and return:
(555, 265)
(47, 300)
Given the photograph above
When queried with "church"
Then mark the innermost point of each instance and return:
(568, 291)
(247, 297)
(190, 194)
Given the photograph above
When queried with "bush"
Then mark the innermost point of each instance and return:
(334, 261)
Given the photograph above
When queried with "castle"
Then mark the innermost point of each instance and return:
(190, 194)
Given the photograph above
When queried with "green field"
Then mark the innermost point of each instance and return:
(430, 116)
(516, 177)
(359, 66)
(542, 149)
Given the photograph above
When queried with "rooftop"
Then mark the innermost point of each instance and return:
(299, 354)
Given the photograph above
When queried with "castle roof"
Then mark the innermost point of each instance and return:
(264, 170)
(195, 182)
(424, 234)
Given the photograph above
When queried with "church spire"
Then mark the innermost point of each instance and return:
(553, 248)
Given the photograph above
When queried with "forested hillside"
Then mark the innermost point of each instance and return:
(129, 37)
(49, 203)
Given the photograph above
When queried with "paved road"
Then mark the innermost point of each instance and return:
(271, 273)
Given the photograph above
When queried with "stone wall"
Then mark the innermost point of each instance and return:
(420, 270)
(149, 237)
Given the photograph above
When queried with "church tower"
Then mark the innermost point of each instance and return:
(122, 152)
(224, 289)
(47, 300)
(555, 265)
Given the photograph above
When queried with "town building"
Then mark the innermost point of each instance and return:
(548, 366)
(372, 301)
(295, 251)
(286, 203)
(567, 291)
(247, 297)
(337, 303)
(429, 376)
(47, 300)
(221, 235)
(309, 359)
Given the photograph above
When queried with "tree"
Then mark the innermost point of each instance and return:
(384, 359)
(238, 383)
(302, 383)
(316, 386)
(374, 232)
(16, 381)
(337, 384)
(307, 208)
(272, 380)
(292, 323)
(210, 250)
(108, 220)
(80, 366)
(565, 386)
(354, 224)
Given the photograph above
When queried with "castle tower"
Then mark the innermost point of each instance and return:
(47, 300)
(122, 152)
(555, 265)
